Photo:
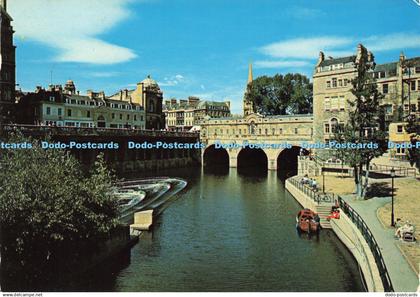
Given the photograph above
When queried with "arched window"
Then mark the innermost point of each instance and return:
(252, 128)
(334, 125)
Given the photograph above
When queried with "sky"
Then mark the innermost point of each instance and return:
(199, 47)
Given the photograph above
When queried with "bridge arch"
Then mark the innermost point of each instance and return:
(252, 158)
(287, 160)
(213, 156)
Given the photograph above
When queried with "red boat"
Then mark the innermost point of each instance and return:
(308, 221)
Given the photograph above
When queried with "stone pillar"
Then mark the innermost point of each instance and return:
(272, 164)
(233, 161)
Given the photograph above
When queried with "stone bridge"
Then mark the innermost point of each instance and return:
(123, 159)
(271, 141)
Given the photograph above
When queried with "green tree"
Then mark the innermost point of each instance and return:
(366, 124)
(49, 208)
(413, 128)
(281, 95)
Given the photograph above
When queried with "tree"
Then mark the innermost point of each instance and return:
(413, 128)
(365, 125)
(49, 208)
(281, 95)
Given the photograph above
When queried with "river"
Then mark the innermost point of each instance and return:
(228, 231)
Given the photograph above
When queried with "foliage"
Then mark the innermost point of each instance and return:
(49, 206)
(366, 124)
(413, 128)
(280, 95)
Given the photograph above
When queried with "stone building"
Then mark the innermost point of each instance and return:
(398, 81)
(58, 106)
(184, 114)
(148, 95)
(7, 65)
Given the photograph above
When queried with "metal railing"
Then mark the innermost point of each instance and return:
(312, 193)
(68, 130)
(399, 171)
(373, 245)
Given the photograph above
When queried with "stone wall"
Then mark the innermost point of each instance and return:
(348, 233)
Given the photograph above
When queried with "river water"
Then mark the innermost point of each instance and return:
(230, 231)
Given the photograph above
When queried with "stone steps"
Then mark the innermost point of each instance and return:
(324, 211)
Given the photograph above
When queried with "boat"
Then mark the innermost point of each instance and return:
(128, 198)
(308, 221)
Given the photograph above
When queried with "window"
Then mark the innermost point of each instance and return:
(345, 82)
(340, 82)
(328, 84)
(73, 101)
(385, 88)
(418, 85)
(334, 125)
(413, 85)
(121, 116)
(417, 69)
(388, 109)
(59, 111)
(296, 130)
(113, 116)
(135, 117)
(342, 103)
(334, 103)
(141, 118)
(327, 128)
(52, 98)
(327, 103)
(334, 82)
(281, 131)
(128, 117)
(69, 112)
(399, 128)
(88, 114)
(48, 110)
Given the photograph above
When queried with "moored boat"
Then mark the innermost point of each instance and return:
(128, 198)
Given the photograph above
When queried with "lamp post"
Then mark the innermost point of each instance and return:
(392, 197)
(323, 180)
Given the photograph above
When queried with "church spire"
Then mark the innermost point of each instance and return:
(250, 79)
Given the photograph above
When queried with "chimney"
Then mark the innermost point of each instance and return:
(321, 58)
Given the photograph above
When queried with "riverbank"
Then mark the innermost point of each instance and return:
(406, 206)
(349, 235)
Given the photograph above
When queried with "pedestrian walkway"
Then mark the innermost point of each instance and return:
(403, 278)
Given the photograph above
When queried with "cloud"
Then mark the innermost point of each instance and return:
(72, 27)
(172, 81)
(392, 42)
(103, 74)
(281, 64)
(300, 52)
(305, 13)
(305, 48)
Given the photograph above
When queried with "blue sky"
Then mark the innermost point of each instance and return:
(199, 47)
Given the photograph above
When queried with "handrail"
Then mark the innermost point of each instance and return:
(370, 239)
(312, 194)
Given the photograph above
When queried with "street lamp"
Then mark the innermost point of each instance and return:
(392, 197)
(323, 180)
